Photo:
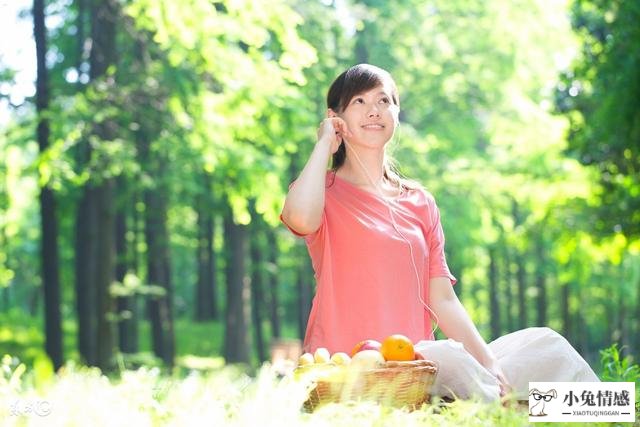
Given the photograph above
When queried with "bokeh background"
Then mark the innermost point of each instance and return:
(147, 147)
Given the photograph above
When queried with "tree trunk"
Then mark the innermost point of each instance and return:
(155, 196)
(212, 276)
(521, 272)
(582, 341)
(84, 244)
(127, 313)
(567, 329)
(205, 288)
(541, 285)
(104, 15)
(34, 302)
(85, 287)
(494, 298)
(48, 212)
(81, 40)
(236, 348)
(636, 343)
(4, 290)
(610, 314)
(522, 290)
(257, 284)
(274, 306)
(621, 329)
(137, 216)
(158, 270)
(508, 291)
(105, 275)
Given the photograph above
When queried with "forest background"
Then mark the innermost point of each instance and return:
(143, 174)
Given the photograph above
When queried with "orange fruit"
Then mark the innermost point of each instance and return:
(397, 347)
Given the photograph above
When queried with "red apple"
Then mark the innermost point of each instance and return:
(419, 356)
(366, 345)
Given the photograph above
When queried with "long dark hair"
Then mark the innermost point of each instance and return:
(354, 81)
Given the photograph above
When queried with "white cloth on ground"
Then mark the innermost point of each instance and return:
(532, 354)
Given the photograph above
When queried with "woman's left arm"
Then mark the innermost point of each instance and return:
(456, 324)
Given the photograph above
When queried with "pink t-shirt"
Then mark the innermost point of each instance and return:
(366, 283)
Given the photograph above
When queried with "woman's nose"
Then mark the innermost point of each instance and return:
(373, 111)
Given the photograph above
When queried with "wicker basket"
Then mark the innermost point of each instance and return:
(398, 384)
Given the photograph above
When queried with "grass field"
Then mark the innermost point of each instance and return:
(202, 390)
(225, 396)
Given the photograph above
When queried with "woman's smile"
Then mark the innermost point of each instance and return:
(373, 126)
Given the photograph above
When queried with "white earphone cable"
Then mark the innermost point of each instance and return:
(396, 228)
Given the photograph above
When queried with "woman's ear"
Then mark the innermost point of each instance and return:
(331, 113)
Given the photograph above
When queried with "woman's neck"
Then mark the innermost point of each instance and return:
(365, 169)
(367, 172)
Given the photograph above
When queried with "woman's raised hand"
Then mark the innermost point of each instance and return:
(304, 204)
(333, 130)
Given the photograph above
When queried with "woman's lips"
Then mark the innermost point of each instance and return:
(373, 126)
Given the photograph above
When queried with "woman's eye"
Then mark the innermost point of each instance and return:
(358, 101)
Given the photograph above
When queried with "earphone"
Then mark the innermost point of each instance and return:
(402, 236)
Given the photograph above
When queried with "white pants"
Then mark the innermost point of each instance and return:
(532, 354)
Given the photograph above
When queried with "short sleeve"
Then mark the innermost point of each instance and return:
(294, 232)
(437, 261)
(311, 237)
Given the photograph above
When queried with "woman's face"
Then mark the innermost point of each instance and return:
(371, 117)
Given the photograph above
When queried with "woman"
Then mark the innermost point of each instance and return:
(377, 248)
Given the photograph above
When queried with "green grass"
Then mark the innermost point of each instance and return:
(22, 335)
(199, 339)
(204, 391)
(217, 397)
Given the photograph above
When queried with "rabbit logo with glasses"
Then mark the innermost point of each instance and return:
(539, 399)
